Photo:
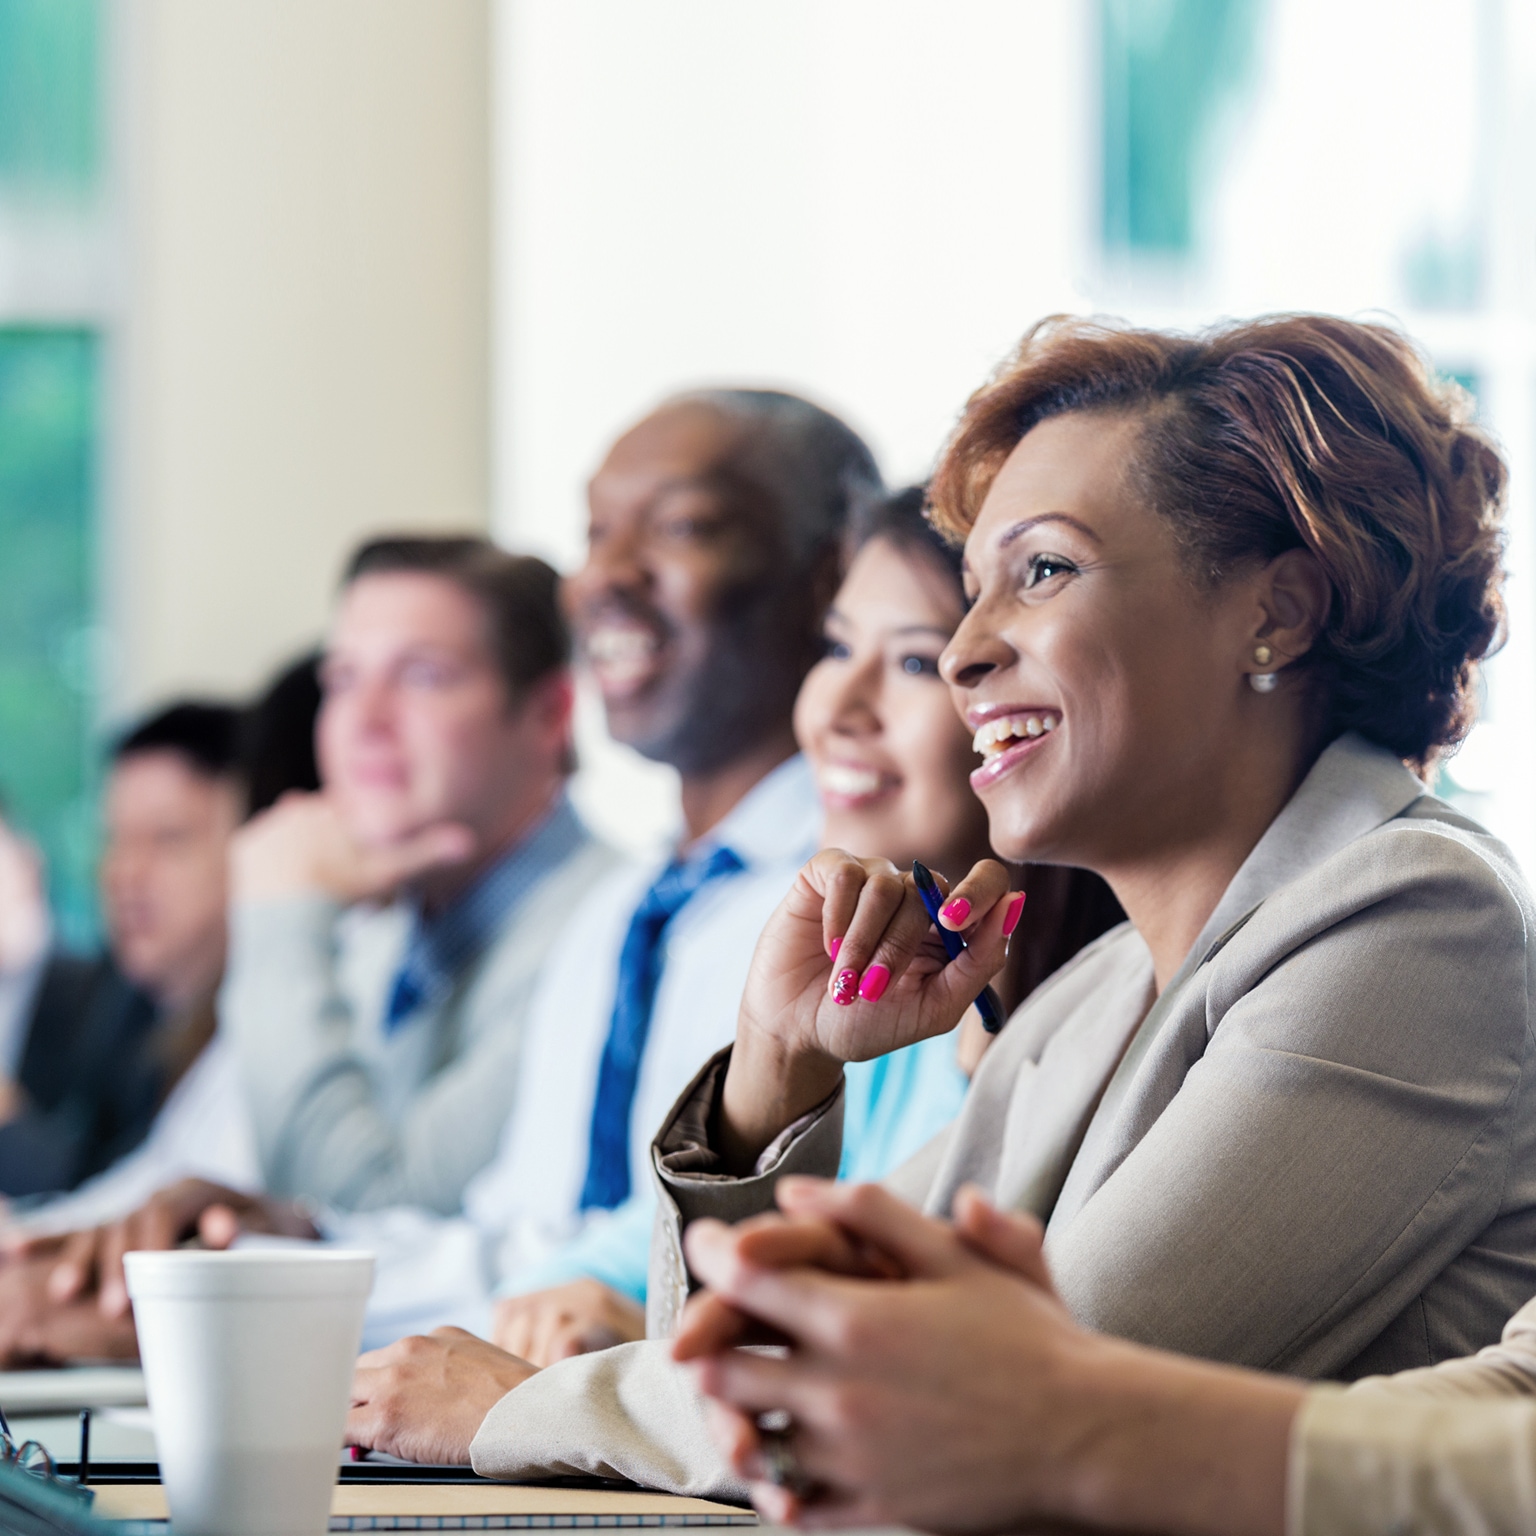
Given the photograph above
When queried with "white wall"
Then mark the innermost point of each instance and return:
(303, 323)
(863, 200)
(869, 201)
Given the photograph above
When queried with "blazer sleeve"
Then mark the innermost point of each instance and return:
(1366, 1465)
(690, 1183)
(1349, 1111)
(283, 1007)
(1450, 1448)
(626, 1412)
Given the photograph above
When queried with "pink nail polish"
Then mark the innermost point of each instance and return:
(956, 911)
(1014, 913)
(845, 988)
(833, 948)
(873, 985)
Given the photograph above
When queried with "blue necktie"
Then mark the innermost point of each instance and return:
(607, 1182)
(405, 997)
(423, 974)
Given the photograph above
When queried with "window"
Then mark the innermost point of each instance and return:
(50, 414)
(50, 132)
(47, 450)
(1167, 69)
(1362, 160)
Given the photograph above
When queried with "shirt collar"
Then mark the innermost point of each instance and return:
(449, 939)
(777, 821)
(1352, 788)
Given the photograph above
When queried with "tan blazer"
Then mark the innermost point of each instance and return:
(1315, 1152)
(1450, 1448)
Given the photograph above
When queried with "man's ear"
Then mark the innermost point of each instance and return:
(561, 702)
(1294, 596)
(551, 701)
(550, 704)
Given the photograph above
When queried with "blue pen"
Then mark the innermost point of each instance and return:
(987, 1005)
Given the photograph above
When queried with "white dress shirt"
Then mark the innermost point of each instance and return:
(525, 1203)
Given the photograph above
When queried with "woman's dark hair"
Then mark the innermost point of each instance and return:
(1291, 432)
(900, 519)
(277, 738)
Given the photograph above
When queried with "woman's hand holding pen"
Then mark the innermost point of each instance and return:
(848, 968)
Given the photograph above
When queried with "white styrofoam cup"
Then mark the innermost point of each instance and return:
(248, 1359)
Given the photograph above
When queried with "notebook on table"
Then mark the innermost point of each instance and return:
(24, 1393)
(138, 1509)
(34, 1505)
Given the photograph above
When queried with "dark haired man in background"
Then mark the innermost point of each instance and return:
(175, 793)
(91, 1046)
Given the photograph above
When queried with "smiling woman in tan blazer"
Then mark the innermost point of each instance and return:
(1226, 591)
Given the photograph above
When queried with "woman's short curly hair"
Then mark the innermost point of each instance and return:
(1288, 432)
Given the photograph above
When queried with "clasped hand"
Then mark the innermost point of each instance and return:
(84, 1268)
(930, 1368)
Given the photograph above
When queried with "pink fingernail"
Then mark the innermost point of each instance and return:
(1014, 913)
(873, 984)
(957, 911)
(833, 948)
(845, 988)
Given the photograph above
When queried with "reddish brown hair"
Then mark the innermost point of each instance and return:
(1296, 431)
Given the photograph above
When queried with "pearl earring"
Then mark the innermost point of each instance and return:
(1263, 682)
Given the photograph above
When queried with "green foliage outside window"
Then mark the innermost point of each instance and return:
(50, 97)
(1167, 67)
(50, 160)
(48, 770)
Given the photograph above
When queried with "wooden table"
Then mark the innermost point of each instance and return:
(464, 1506)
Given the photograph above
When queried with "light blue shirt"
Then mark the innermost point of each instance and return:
(895, 1105)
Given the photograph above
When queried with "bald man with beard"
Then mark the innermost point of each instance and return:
(714, 548)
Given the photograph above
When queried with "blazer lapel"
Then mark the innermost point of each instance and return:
(1353, 788)
(1036, 1088)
